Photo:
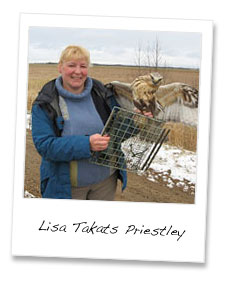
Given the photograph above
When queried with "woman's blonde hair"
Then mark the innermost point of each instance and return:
(74, 52)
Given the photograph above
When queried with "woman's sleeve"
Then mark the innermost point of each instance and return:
(55, 148)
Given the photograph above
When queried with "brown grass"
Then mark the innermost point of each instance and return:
(180, 135)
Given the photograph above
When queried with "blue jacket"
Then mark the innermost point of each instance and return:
(57, 151)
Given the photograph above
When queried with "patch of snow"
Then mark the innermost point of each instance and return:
(28, 195)
(175, 167)
(179, 162)
(28, 125)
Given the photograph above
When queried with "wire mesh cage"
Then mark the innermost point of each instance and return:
(134, 141)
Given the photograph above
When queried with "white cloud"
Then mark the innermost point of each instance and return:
(114, 46)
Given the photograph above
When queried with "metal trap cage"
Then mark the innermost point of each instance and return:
(134, 141)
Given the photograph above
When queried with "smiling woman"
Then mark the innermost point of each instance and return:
(67, 118)
(73, 67)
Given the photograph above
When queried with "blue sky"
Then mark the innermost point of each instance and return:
(177, 49)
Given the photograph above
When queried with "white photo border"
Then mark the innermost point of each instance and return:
(29, 214)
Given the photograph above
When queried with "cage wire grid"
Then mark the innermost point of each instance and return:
(134, 141)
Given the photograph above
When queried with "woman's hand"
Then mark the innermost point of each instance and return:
(148, 114)
(98, 142)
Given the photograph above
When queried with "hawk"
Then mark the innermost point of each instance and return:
(177, 102)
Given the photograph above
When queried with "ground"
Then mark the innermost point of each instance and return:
(139, 188)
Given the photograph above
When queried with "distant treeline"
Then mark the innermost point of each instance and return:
(121, 65)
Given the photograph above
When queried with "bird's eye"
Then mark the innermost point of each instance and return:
(153, 81)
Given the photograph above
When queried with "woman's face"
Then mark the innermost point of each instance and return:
(74, 74)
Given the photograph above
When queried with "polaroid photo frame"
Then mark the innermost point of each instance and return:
(102, 229)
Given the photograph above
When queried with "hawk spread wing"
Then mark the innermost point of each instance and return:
(177, 102)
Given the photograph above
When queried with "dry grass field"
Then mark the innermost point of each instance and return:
(180, 135)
